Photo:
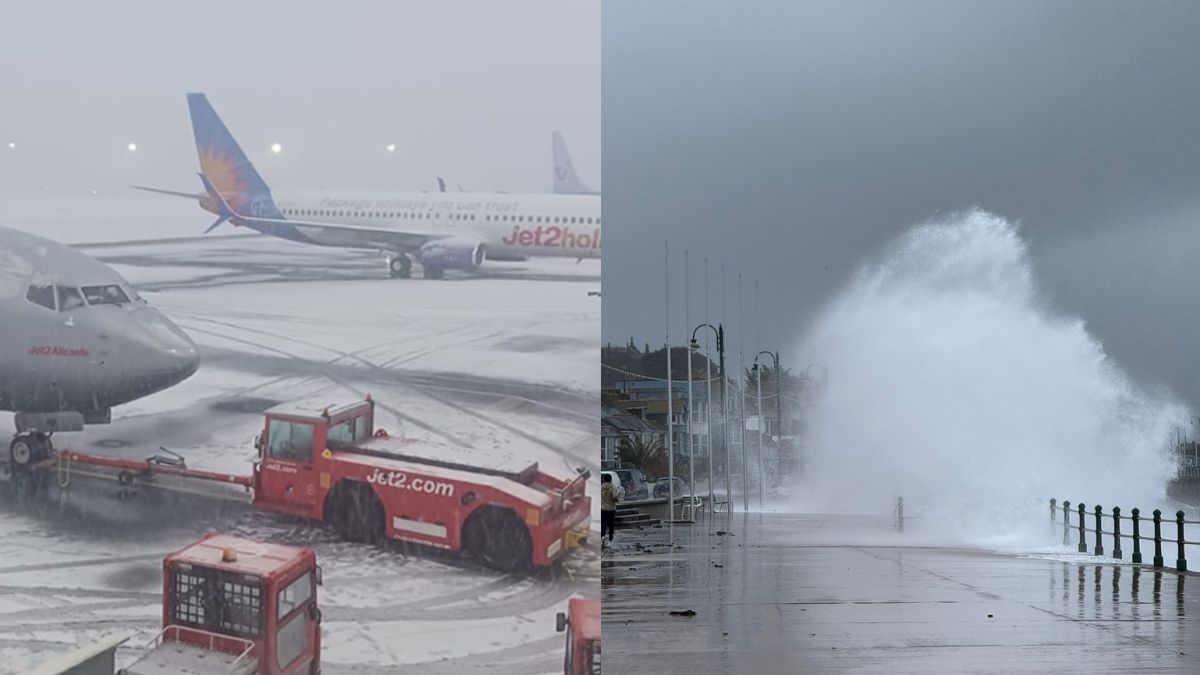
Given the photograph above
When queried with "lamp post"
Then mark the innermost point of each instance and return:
(720, 331)
(758, 379)
(742, 403)
(687, 308)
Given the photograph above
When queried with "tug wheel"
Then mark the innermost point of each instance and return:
(356, 512)
(498, 539)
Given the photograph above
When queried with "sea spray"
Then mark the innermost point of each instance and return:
(952, 385)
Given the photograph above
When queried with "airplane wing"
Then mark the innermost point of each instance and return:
(330, 234)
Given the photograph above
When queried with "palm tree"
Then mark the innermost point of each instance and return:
(640, 452)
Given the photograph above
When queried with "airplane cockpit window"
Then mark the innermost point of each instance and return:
(68, 298)
(41, 295)
(105, 295)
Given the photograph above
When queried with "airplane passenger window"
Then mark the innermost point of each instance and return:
(68, 298)
(41, 295)
(105, 295)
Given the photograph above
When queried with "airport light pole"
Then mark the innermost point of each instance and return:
(708, 374)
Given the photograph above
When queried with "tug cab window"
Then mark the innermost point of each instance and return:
(347, 432)
(68, 298)
(290, 441)
(341, 433)
(41, 295)
(292, 637)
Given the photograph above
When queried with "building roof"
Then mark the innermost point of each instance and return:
(623, 421)
(655, 406)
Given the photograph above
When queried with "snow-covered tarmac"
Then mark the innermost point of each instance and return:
(504, 361)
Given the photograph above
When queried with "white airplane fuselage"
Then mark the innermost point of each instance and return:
(508, 225)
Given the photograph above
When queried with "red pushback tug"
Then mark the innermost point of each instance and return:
(581, 621)
(237, 606)
(329, 463)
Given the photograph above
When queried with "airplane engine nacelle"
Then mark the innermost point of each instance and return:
(452, 254)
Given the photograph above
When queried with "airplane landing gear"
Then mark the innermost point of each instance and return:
(399, 266)
(29, 447)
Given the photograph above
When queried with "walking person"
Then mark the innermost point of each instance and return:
(608, 507)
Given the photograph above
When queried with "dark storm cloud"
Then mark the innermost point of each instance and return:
(467, 89)
(789, 140)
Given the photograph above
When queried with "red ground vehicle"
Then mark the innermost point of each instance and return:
(328, 463)
(232, 605)
(581, 621)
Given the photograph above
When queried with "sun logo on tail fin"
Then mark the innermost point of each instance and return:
(226, 177)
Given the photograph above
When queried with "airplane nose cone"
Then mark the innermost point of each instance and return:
(183, 358)
(177, 353)
(167, 355)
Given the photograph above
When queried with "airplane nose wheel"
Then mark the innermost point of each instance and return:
(28, 448)
(399, 267)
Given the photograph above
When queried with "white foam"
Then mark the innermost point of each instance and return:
(953, 385)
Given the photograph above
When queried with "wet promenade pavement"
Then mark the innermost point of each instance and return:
(772, 596)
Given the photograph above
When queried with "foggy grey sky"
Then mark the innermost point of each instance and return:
(466, 89)
(790, 140)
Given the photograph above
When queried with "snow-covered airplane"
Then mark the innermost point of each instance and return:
(75, 340)
(441, 231)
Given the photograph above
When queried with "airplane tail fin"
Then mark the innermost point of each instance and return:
(224, 211)
(565, 180)
(441, 184)
(225, 166)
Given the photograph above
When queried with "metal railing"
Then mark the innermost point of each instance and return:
(1135, 520)
(216, 642)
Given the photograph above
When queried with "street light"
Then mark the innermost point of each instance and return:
(758, 380)
(720, 331)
